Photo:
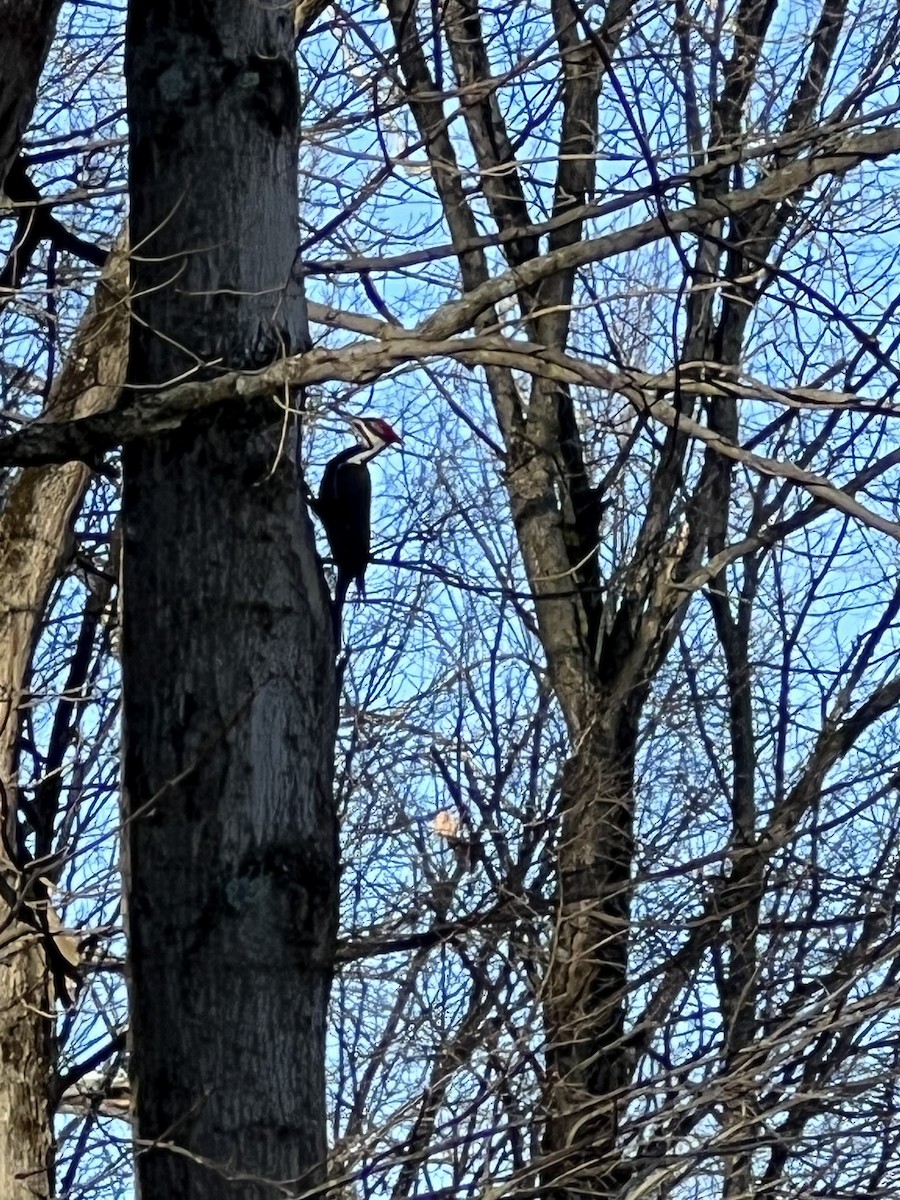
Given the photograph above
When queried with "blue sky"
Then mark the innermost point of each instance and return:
(443, 658)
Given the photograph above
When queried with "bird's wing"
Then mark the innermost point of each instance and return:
(344, 505)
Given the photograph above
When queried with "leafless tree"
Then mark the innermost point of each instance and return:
(619, 751)
(227, 658)
(39, 506)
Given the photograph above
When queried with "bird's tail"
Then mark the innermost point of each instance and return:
(340, 595)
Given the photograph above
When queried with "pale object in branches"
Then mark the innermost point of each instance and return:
(446, 824)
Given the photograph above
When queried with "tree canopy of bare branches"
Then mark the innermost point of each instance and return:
(617, 745)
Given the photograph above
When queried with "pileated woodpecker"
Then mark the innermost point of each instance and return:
(345, 498)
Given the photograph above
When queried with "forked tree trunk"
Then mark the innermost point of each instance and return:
(229, 683)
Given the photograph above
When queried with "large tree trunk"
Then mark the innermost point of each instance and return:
(229, 682)
(35, 529)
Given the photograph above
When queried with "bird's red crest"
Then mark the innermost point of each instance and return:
(384, 431)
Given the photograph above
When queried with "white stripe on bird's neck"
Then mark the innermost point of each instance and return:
(374, 445)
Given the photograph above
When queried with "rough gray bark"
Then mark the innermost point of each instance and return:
(229, 682)
(35, 530)
(28, 27)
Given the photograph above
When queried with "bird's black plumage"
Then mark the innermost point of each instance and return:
(345, 502)
(344, 505)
